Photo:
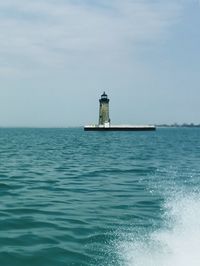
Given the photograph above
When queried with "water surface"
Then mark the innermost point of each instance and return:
(70, 197)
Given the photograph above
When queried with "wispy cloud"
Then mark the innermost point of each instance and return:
(49, 32)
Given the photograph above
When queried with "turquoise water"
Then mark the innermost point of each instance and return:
(70, 197)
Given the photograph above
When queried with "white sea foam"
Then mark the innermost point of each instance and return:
(176, 244)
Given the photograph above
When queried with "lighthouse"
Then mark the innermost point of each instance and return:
(104, 119)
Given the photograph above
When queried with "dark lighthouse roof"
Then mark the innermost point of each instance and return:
(104, 97)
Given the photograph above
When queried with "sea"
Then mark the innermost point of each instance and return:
(70, 197)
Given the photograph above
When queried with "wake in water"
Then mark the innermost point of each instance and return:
(177, 243)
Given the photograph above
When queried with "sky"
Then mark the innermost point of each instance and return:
(58, 56)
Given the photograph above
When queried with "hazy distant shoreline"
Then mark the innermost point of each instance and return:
(178, 125)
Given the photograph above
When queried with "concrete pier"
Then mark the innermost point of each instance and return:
(120, 128)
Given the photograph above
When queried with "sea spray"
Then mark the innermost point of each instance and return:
(175, 244)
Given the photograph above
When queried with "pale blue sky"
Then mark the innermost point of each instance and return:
(58, 56)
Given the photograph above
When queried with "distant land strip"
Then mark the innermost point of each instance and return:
(178, 125)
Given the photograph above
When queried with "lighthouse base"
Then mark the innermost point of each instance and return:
(119, 128)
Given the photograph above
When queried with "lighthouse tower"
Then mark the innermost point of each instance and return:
(104, 119)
